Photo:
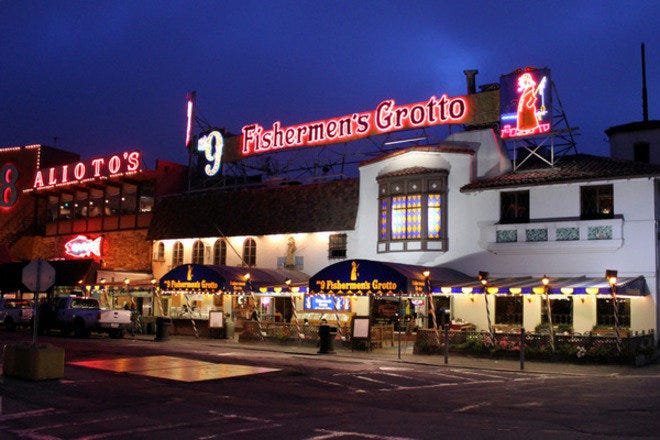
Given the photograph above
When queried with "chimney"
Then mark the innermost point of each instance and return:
(471, 82)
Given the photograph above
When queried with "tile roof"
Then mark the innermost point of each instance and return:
(569, 168)
(316, 207)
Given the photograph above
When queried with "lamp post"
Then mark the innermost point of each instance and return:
(429, 299)
(611, 276)
(483, 279)
(546, 290)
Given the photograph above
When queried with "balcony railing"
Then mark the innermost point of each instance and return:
(553, 236)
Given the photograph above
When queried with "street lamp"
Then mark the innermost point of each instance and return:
(483, 279)
(431, 306)
(546, 289)
(611, 276)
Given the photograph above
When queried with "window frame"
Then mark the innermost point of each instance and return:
(220, 252)
(425, 185)
(601, 193)
(607, 319)
(177, 254)
(197, 252)
(337, 244)
(249, 252)
(499, 315)
(520, 200)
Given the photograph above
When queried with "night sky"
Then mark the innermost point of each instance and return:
(105, 76)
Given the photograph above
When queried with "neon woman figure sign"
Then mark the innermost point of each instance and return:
(525, 103)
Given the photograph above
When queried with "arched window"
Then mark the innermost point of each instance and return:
(250, 252)
(160, 252)
(220, 252)
(177, 254)
(198, 252)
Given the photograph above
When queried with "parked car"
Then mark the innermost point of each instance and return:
(15, 313)
(82, 316)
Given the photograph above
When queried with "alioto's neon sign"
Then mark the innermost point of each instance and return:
(387, 117)
(100, 168)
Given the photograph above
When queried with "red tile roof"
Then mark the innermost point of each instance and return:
(570, 168)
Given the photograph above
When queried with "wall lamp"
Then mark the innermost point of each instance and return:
(611, 276)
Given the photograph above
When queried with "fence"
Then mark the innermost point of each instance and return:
(568, 348)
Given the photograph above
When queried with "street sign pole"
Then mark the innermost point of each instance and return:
(35, 314)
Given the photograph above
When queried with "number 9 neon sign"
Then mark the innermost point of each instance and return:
(212, 145)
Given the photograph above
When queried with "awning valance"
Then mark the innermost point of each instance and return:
(629, 286)
(213, 278)
(362, 277)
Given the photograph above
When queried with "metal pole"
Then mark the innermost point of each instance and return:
(35, 318)
(399, 325)
(549, 310)
(615, 303)
(446, 343)
(522, 348)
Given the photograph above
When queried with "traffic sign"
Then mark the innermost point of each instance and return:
(38, 275)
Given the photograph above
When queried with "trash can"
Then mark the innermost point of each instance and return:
(163, 328)
(326, 339)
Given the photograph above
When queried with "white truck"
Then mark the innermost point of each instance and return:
(82, 316)
(15, 313)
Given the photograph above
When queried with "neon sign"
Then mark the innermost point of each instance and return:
(8, 190)
(386, 118)
(190, 109)
(525, 103)
(212, 145)
(100, 168)
(83, 247)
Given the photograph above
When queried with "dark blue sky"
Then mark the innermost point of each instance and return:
(104, 76)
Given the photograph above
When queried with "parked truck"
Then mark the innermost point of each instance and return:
(81, 316)
(15, 313)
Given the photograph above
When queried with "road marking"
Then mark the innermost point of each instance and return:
(337, 384)
(24, 414)
(327, 434)
(469, 407)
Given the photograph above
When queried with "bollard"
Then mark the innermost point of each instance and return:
(446, 343)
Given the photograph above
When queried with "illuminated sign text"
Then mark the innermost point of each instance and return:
(100, 168)
(374, 285)
(387, 117)
(8, 190)
(211, 145)
(195, 285)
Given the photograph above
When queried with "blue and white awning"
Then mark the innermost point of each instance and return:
(631, 286)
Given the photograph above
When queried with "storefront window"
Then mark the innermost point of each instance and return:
(220, 252)
(337, 246)
(129, 199)
(53, 208)
(562, 311)
(95, 208)
(508, 310)
(514, 207)
(605, 312)
(147, 197)
(412, 211)
(596, 202)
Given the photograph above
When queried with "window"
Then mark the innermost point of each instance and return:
(220, 252)
(508, 310)
(514, 207)
(596, 202)
(177, 254)
(413, 211)
(198, 252)
(605, 311)
(160, 252)
(250, 252)
(336, 246)
(562, 311)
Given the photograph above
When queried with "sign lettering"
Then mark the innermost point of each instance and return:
(387, 117)
(8, 191)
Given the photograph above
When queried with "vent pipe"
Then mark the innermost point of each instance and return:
(645, 98)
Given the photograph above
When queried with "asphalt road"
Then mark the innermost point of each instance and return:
(321, 396)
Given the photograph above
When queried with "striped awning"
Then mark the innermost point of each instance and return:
(630, 286)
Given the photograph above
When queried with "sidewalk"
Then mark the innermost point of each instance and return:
(391, 354)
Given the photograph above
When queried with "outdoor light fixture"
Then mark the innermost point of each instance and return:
(153, 281)
(545, 280)
(287, 281)
(426, 273)
(483, 278)
(246, 277)
(611, 276)
(102, 280)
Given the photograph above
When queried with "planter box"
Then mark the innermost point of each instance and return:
(27, 361)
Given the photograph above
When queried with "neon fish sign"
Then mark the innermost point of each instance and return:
(83, 247)
(386, 118)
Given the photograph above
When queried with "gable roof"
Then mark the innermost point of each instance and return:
(569, 168)
(316, 207)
